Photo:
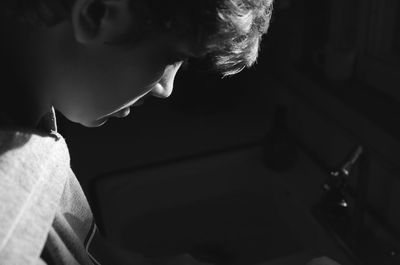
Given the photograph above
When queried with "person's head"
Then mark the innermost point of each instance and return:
(95, 58)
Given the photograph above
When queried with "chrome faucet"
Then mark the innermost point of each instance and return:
(334, 201)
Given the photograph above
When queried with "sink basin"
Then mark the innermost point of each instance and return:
(225, 208)
(235, 228)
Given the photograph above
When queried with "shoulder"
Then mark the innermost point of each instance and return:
(27, 159)
(33, 172)
(21, 145)
(28, 164)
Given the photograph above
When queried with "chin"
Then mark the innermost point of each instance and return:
(87, 121)
(93, 124)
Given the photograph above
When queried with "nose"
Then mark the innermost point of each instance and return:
(166, 84)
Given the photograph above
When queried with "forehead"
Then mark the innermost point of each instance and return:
(168, 19)
(181, 45)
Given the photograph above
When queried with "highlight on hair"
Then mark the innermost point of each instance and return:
(241, 25)
(228, 32)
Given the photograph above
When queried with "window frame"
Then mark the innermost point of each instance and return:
(378, 62)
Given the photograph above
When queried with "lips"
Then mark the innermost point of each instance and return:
(122, 113)
(125, 111)
(96, 123)
(138, 103)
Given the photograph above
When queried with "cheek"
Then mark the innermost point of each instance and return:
(98, 90)
(96, 83)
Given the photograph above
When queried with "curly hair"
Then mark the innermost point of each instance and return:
(228, 32)
(241, 27)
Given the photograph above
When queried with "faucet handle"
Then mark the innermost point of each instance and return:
(348, 166)
(338, 178)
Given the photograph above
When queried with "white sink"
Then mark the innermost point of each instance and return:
(226, 208)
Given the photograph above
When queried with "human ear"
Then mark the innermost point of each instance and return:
(101, 21)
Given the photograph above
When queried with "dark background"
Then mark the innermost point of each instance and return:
(333, 68)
